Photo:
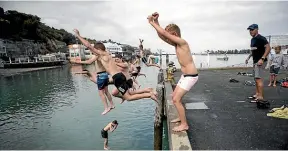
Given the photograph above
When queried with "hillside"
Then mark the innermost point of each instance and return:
(20, 29)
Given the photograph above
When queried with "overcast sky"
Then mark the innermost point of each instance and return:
(205, 25)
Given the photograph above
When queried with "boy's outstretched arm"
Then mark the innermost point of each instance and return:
(90, 61)
(141, 48)
(166, 35)
(159, 35)
(87, 44)
(122, 65)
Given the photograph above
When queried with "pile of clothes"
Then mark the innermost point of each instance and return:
(281, 112)
(283, 82)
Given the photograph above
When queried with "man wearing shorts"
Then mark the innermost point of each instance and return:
(260, 49)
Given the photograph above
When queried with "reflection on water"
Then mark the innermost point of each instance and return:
(55, 109)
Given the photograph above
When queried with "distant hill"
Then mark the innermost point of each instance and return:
(17, 26)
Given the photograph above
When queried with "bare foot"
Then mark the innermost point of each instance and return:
(259, 99)
(274, 85)
(106, 111)
(181, 128)
(153, 97)
(106, 148)
(269, 85)
(176, 120)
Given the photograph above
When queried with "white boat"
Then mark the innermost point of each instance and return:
(224, 58)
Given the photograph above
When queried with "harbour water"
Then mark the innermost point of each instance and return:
(55, 109)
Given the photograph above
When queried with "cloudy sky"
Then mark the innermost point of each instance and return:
(204, 24)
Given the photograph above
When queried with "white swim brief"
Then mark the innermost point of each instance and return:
(187, 81)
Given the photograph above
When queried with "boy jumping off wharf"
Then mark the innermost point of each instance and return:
(172, 36)
(119, 79)
(123, 66)
(101, 81)
(146, 61)
(104, 132)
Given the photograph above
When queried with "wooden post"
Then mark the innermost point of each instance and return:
(159, 112)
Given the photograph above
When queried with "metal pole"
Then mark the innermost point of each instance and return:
(208, 59)
(161, 58)
(268, 57)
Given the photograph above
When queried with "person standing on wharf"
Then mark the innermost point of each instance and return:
(260, 49)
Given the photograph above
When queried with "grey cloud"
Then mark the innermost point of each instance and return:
(206, 25)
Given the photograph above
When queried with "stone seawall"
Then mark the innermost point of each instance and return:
(17, 49)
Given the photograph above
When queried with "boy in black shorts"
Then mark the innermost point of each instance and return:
(123, 66)
(104, 132)
(110, 66)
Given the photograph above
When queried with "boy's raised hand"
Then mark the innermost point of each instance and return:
(150, 18)
(155, 16)
(76, 31)
(141, 40)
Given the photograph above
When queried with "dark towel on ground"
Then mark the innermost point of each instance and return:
(233, 80)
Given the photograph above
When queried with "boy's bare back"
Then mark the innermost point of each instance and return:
(108, 126)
